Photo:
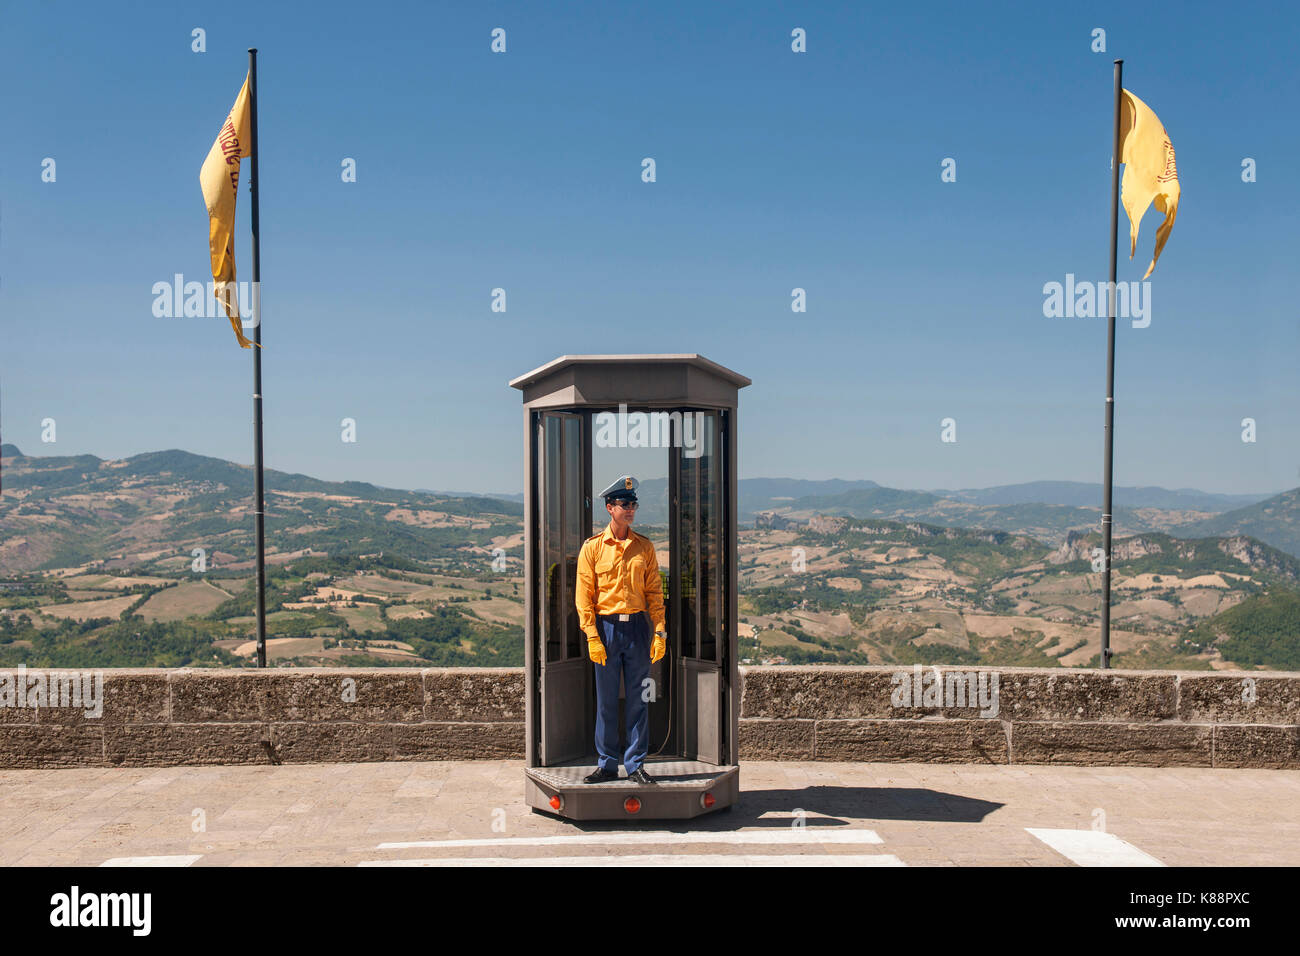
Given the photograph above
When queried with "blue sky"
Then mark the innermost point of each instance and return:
(775, 170)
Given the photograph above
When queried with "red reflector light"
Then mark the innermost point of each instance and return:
(708, 800)
(556, 802)
(632, 805)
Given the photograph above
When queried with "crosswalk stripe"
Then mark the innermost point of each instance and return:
(656, 859)
(783, 836)
(153, 860)
(1093, 847)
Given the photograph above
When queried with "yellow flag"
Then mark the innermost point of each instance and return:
(219, 178)
(1149, 171)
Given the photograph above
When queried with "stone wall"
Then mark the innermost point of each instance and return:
(309, 715)
(1043, 716)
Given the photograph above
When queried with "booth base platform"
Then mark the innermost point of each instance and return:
(682, 789)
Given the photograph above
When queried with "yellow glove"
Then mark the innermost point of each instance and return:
(596, 650)
(658, 646)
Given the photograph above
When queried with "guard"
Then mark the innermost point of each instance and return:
(618, 583)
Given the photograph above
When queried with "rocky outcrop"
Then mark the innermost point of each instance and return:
(827, 524)
(1259, 556)
(1252, 553)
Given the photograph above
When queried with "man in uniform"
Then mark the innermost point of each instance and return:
(618, 582)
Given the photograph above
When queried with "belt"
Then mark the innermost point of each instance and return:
(621, 617)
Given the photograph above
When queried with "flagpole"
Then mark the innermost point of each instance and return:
(257, 364)
(1110, 374)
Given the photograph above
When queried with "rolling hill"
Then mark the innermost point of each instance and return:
(147, 561)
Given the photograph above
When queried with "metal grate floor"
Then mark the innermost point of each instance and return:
(665, 771)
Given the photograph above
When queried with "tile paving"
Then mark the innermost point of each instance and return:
(925, 815)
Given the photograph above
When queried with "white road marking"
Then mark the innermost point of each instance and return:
(1093, 847)
(654, 859)
(785, 835)
(153, 860)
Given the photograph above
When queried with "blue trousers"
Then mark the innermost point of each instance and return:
(627, 653)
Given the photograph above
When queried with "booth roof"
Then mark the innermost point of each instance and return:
(691, 358)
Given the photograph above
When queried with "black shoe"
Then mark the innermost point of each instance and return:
(599, 776)
(640, 777)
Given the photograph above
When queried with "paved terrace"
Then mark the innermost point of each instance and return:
(462, 812)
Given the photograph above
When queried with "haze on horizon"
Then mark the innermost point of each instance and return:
(645, 466)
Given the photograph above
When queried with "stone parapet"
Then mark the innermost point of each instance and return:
(1001, 715)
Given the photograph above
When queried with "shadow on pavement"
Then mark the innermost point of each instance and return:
(834, 807)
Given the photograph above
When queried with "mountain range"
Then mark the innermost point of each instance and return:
(60, 510)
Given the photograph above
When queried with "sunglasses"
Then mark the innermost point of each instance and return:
(627, 505)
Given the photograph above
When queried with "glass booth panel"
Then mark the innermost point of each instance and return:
(686, 554)
(552, 539)
(565, 679)
(574, 526)
(564, 518)
(711, 531)
(701, 553)
(701, 527)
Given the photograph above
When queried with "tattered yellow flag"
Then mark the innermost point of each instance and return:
(1149, 171)
(219, 178)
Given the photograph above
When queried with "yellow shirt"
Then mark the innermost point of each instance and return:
(618, 577)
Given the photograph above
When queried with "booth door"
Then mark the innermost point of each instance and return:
(564, 512)
(700, 562)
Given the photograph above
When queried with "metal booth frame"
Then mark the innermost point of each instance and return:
(561, 400)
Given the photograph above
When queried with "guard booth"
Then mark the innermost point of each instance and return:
(682, 407)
